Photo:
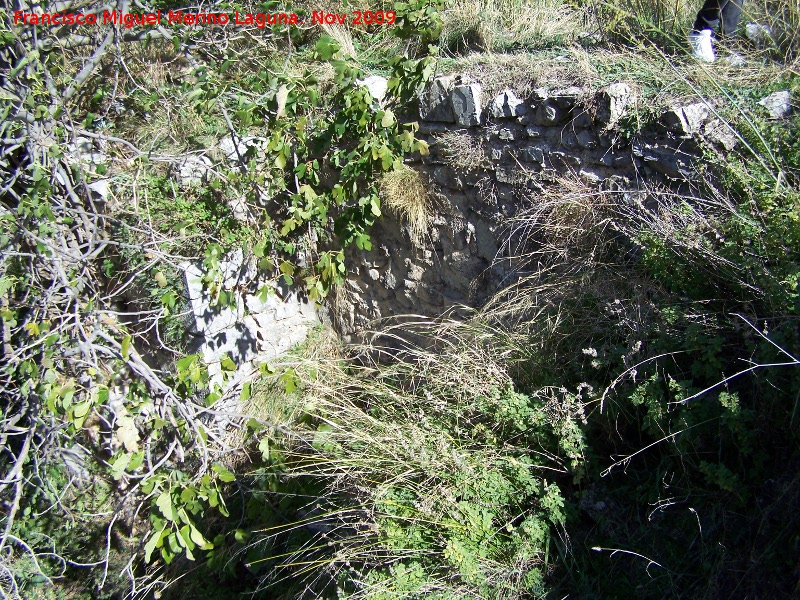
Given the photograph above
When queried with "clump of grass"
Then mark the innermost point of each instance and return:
(404, 193)
(465, 29)
(427, 484)
(461, 150)
(525, 72)
(661, 20)
(342, 35)
(500, 25)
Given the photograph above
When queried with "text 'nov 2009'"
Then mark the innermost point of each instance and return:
(260, 20)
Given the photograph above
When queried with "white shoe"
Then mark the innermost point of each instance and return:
(701, 45)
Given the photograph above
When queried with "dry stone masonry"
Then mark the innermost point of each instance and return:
(489, 157)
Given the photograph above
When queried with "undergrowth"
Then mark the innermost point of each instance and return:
(620, 422)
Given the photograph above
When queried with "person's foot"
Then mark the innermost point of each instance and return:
(701, 45)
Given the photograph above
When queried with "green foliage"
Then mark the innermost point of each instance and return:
(443, 475)
(435, 491)
(178, 506)
(420, 19)
(67, 382)
(358, 140)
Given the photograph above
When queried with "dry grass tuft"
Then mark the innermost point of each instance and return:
(525, 72)
(341, 33)
(500, 25)
(461, 150)
(404, 194)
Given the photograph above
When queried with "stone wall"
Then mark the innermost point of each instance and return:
(489, 158)
(265, 320)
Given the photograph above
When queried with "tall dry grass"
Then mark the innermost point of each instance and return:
(498, 25)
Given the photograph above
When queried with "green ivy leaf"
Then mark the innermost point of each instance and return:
(186, 535)
(241, 536)
(224, 474)
(150, 546)
(388, 119)
(290, 380)
(326, 47)
(196, 536)
(263, 447)
(81, 409)
(119, 466)
(164, 503)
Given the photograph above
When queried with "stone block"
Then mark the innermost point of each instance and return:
(540, 94)
(686, 120)
(426, 128)
(193, 170)
(567, 98)
(565, 158)
(583, 119)
(247, 148)
(507, 105)
(486, 243)
(237, 271)
(405, 296)
(525, 119)
(533, 154)
(549, 114)
(613, 102)
(442, 175)
(272, 327)
(429, 295)
(505, 193)
(720, 134)
(466, 104)
(509, 175)
(388, 280)
(665, 160)
(569, 140)
(434, 101)
(506, 134)
(501, 153)
(590, 177)
(377, 86)
(585, 139)
(778, 104)
(81, 151)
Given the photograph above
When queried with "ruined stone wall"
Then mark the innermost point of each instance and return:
(491, 158)
(265, 320)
